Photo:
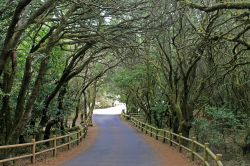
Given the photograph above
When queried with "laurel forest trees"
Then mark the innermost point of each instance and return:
(192, 72)
(52, 54)
(185, 64)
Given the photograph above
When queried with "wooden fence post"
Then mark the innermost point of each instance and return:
(85, 132)
(82, 132)
(77, 137)
(156, 133)
(151, 131)
(192, 148)
(179, 141)
(146, 129)
(68, 141)
(206, 145)
(218, 158)
(33, 158)
(54, 151)
(164, 136)
(80, 135)
(170, 138)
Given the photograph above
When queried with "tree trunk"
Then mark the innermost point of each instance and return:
(175, 124)
(76, 112)
(66, 76)
(48, 127)
(22, 121)
(58, 119)
(156, 120)
(13, 35)
(6, 110)
(85, 112)
(47, 102)
(92, 98)
(185, 128)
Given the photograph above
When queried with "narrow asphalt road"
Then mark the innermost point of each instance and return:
(116, 145)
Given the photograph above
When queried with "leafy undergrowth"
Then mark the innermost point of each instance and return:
(226, 133)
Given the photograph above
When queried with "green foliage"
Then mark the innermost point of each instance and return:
(130, 77)
(30, 130)
(207, 132)
(215, 124)
(222, 118)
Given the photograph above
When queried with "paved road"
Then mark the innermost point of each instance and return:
(116, 145)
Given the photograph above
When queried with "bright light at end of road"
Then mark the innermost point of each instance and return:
(116, 110)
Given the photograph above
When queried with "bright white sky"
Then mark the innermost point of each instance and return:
(111, 111)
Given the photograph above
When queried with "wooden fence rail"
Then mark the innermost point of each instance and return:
(196, 149)
(54, 142)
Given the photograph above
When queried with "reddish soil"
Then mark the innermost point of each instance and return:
(168, 156)
(68, 155)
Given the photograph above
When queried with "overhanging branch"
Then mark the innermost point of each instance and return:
(218, 6)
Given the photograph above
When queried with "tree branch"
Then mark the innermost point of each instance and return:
(218, 6)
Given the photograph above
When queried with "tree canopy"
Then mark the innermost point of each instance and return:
(183, 63)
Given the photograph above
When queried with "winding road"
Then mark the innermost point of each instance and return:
(116, 145)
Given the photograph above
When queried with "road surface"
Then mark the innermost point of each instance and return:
(116, 145)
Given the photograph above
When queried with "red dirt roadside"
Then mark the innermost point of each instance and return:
(68, 155)
(168, 156)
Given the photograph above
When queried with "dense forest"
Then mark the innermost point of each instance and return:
(184, 64)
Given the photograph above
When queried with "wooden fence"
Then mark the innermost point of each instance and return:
(193, 147)
(55, 142)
